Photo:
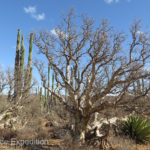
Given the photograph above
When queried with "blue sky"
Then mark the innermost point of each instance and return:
(31, 15)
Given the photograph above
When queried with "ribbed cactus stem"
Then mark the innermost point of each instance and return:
(17, 66)
(22, 55)
(45, 97)
(143, 86)
(134, 89)
(30, 77)
(30, 50)
(41, 96)
(38, 90)
(138, 87)
(53, 78)
(48, 78)
(28, 73)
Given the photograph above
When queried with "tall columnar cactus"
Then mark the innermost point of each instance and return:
(17, 67)
(143, 86)
(30, 51)
(22, 80)
(28, 73)
(41, 96)
(38, 90)
(48, 79)
(22, 55)
(30, 77)
(134, 89)
(45, 103)
(138, 86)
(53, 78)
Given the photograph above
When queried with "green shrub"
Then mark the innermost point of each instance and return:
(138, 128)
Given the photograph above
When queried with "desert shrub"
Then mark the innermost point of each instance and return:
(42, 134)
(26, 133)
(138, 128)
(7, 134)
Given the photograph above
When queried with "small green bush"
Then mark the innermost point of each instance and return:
(138, 128)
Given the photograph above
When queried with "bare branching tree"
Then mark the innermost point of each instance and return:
(103, 61)
(3, 81)
(10, 81)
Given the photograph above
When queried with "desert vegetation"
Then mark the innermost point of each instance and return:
(94, 91)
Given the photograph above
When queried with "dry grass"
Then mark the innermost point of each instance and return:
(124, 143)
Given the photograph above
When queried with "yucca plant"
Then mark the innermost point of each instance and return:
(138, 128)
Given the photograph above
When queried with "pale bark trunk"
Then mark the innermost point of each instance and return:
(68, 72)
(80, 128)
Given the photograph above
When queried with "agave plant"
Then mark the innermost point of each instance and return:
(137, 128)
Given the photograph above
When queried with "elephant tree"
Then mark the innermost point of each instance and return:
(106, 62)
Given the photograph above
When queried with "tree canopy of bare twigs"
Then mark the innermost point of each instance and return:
(103, 61)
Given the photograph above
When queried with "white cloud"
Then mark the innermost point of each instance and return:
(146, 68)
(39, 17)
(33, 12)
(53, 32)
(114, 1)
(111, 1)
(30, 9)
(140, 32)
(57, 32)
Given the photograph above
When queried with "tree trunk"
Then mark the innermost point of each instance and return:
(80, 128)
